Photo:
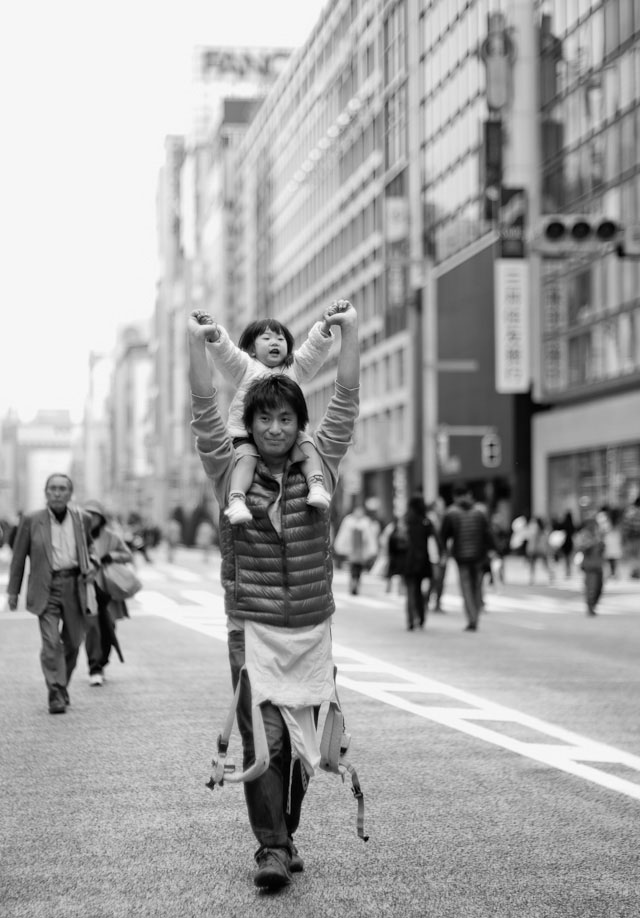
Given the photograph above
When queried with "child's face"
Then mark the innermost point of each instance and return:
(270, 348)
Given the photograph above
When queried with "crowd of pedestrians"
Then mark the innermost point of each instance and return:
(414, 549)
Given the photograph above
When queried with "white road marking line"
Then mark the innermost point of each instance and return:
(567, 751)
(568, 755)
(164, 570)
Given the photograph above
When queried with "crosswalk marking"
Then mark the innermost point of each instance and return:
(471, 714)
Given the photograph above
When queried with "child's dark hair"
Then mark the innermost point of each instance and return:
(271, 392)
(259, 327)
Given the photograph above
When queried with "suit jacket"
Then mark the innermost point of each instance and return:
(33, 541)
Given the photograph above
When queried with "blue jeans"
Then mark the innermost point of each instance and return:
(471, 574)
(274, 800)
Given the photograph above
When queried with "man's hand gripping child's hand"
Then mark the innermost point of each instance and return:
(341, 312)
(202, 318)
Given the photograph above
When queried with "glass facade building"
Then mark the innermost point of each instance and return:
(590, 306)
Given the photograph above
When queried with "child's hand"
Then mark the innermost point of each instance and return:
(202, 325)
(341, 312)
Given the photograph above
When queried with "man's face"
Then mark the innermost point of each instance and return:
(274, 431)
(58, 493)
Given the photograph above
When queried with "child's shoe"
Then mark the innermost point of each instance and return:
(318, 497)
(237, 511)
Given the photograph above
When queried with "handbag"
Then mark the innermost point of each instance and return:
(120, 580)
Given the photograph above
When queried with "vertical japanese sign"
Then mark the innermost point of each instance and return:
(511, 305)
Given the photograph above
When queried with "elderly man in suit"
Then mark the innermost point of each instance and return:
(60, 591)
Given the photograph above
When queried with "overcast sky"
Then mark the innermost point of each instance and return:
(88, 92)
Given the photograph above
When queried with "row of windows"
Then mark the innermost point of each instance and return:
(366, 222)
(386, 375)
(610, 349)
(615, 21)
(604, 286)
(585, 481)
(331, 171)
(462, 136)
(458, 230)
(323, 57)
(453, 191)
(395, 31)
(443, 103)
(453, 26)
(599, 100)
(396, 124)
(369, 300)
(383, 434)
(582, 177)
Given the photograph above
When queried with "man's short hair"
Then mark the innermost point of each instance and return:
(271, 392)
(460, 490)
(58, 475)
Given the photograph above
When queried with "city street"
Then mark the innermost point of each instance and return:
(500, 769)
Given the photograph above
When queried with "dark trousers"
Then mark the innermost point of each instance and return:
(274, 800)
(471, 574)
(97, 641)
(415, 601)
(593, 588)
(62, 627)
(356, 570)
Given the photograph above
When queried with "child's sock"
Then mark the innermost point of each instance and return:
(318, 497)
(237, 511)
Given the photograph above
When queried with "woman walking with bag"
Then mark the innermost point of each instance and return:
(111, 550)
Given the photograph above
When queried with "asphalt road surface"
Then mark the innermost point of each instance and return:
(501, 769)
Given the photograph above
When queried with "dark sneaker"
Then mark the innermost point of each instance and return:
(296, 864)
(273, 868)
(56, 702)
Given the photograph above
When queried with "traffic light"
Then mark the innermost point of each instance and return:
(573, 234)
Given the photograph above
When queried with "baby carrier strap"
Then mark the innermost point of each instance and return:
(334, 745)
(226, 770)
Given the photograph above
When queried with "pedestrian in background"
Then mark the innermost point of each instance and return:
(435, 512)
(467, 537)
(501, 533)
(109, 548)
(417, 565)
(356, 540)
(537, 550)
(392, 550)
(174, 537)
(60, 591)
(590, 542)
(135, 537)
(609, 524)
(631, 537)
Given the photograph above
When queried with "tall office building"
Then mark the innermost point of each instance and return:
(587, 444)
(323, 212)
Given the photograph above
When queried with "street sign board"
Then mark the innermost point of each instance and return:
(491, 450)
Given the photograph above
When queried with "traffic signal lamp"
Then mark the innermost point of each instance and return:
(567, 234)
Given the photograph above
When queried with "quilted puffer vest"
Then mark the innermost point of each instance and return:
(278, 578)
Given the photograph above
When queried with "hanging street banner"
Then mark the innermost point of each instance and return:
(511, 308)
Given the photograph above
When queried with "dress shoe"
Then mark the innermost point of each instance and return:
(56, 702)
